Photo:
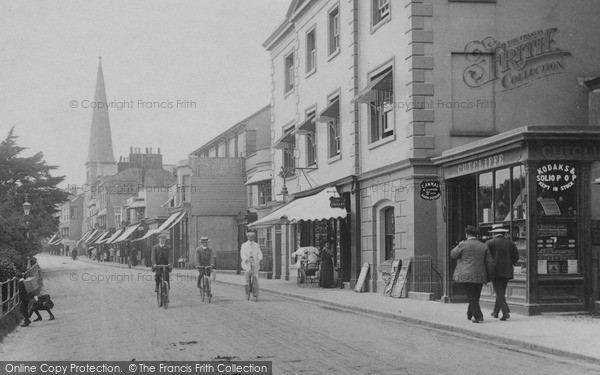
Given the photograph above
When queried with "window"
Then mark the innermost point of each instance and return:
(333, 128)
(382, 107)
(389, 232)
(117, 219)
(311, 143)
(311, 51)
(381, 11)
(250, 196)
(334, 30)
(289, 161)
(185, 188)
(264, 192)
(289, 73)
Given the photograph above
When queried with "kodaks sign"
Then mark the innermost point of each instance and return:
(556, 176)
(516, 62)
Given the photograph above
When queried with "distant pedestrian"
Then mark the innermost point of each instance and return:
(111, 254)
(505, 255)
(132, 257)
(473, 262)
(42, 303)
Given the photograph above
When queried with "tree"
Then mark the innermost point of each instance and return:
(31, 176)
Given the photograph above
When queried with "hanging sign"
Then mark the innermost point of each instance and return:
(556, 176)
(430, 190)
(337, 202)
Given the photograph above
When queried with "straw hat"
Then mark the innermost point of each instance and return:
(498, 228)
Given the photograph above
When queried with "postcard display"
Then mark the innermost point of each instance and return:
(556, 218)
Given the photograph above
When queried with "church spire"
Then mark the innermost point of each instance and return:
(100, 149)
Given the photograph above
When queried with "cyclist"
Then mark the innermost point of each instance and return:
(251, 256)
(161, 255)
(204, 258)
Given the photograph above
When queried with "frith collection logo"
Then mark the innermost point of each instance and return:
(514, 63)
(556, 176)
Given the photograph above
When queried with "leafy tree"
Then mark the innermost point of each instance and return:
(31, 176)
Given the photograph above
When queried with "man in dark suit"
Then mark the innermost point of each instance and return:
(25, 298)
(161, 255)
(505, 255)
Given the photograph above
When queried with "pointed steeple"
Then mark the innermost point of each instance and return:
(101, 149)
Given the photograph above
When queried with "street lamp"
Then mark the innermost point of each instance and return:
(27, 206)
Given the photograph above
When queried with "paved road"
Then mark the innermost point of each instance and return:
(109, 313)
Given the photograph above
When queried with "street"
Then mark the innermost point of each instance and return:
(104, 312)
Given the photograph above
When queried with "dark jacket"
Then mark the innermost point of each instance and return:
(161, 255)
(474, 261)
(505, 256)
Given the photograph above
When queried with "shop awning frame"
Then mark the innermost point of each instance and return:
(332, 111)
(127, 233)
(286, 139)
(307, 126)
(314, 207)
(115, 235)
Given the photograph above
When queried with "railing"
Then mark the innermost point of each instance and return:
(423, 277)
(9, 291)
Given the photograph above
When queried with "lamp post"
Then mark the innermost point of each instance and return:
(26, 211)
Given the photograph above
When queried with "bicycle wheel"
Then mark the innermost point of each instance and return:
(208, 288)
(202, 289)
(255, 288)
(248, 287)
(165, 294)
(159, 297)
(299, 279)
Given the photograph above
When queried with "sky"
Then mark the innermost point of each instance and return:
(207, 54)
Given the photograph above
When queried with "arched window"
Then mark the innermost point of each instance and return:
(389, 232)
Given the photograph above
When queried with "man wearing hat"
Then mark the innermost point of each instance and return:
(204, 258)
(505, 255)
(161, 255)
(251, 256)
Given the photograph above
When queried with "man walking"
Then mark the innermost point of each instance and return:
(505, 255)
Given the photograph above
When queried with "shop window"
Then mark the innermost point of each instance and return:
(250, 197)
(485, 198)
(389, 232)
(556, 210)
(502, 195)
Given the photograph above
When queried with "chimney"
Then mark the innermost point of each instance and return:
(159, 150)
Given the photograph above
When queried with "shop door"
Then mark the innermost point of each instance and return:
(462, 211)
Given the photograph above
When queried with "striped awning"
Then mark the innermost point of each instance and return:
(127, 233)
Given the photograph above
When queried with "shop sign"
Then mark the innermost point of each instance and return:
(556, 176)
(337, 202)
(516, 62)
(430, 190)
(577, 152)
(483, 163)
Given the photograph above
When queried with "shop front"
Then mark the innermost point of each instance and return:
(536, 181)
(306, 222)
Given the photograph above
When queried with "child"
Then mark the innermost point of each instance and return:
(42, 302)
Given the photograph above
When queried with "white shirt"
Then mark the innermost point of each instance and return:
(250, 249)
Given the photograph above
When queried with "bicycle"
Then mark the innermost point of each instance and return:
(162, 296)
(204, 283)
(252, 285)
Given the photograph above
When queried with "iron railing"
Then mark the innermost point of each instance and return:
(9, 290)
(423, 277)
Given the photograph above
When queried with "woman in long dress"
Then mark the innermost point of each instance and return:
(326, 277)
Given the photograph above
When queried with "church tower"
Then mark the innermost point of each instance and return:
(101, 160)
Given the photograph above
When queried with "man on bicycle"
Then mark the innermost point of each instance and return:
(204, 258)
(251, 256)
(161, 255)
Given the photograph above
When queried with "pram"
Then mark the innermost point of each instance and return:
(308, 266)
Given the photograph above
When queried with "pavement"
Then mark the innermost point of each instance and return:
(575, 336)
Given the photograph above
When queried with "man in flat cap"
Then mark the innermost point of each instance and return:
(161, 255)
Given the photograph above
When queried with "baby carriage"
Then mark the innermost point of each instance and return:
(308, 266)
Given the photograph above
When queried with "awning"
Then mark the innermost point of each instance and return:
(329, 113)
(165, 225)
(137, 204)
(52, 239)
(259, 176)
(307, 126)
(168, 202)
(83, 237)
(127, 233)
(175, 222)
(315, 207)
(115, 235)
(369, 94)
(286, 139)
(91, 239)
(102, 239)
